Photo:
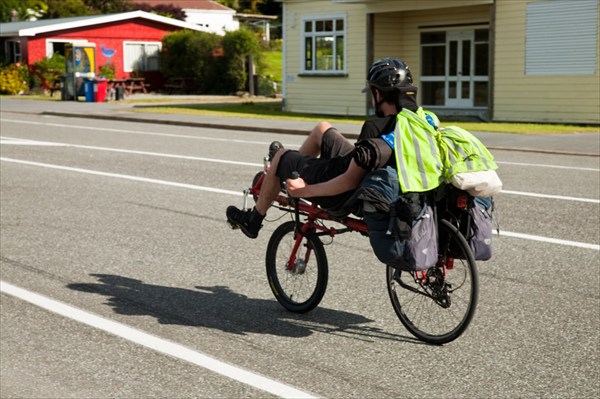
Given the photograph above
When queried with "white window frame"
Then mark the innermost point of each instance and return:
(305, 35)
(128, 63)
(50, 44)
(467, 33)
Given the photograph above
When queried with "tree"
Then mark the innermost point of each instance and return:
(22, 10)
(108, 6)
(266, 7)
(166, 10)
(65, 8)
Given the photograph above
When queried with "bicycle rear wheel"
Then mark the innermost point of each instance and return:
(300, 288)
(435, 308)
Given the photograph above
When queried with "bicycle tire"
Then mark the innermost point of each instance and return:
(299, 290)
(433, 320)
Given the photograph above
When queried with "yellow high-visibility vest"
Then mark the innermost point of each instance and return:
(463, 152)
(418, 158)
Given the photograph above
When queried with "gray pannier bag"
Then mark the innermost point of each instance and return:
(480, 239)
(421, 250)
(402, 229)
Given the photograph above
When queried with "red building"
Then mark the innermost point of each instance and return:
(130, 41)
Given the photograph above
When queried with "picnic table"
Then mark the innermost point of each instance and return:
(179, 85)
(129, 85)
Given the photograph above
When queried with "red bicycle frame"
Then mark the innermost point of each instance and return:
(313, 214)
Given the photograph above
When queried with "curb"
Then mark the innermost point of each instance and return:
(299, 132)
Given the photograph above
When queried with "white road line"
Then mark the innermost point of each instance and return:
(154, 154)
(155, 343)
(549, 196)
(541, 165)
(17, 141)
(549, 240)
(229, 192)
(187, 157)
(184, 136)
(127, 177)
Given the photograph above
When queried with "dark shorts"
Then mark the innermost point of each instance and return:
(311, 169)
(334, 160)
(334, 144)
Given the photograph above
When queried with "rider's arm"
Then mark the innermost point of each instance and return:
(347, 181)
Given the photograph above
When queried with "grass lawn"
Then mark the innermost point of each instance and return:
(272, 109)
(273, 64)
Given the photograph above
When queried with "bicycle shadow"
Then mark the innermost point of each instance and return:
(222, 309)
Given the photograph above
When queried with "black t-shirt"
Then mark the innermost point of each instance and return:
(376, 127)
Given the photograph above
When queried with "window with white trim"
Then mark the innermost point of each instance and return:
(141, 56)
(324, 45)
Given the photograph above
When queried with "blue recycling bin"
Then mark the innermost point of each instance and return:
(88, 85)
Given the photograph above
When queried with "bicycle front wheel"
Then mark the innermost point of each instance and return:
(298, 285)
(438, 304)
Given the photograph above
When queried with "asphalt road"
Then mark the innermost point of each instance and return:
(125, 221)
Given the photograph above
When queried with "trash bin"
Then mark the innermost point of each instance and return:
(100, 86)
(88, 87)
(119, 93)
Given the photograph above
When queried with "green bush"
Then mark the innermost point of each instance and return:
(189, 54)
(237, 46)
(218, 65)
(49, 69)
(107, 70)
(14, 79)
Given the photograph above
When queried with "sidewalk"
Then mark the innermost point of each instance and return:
(569, 144)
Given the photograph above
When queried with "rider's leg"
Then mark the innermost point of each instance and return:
(312, 144)
(271, 186)
(250, 220)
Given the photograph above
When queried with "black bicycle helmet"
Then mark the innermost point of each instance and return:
(387, 74)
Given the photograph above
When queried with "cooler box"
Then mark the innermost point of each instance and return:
(100, 90)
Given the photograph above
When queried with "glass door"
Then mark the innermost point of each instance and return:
(459, 67)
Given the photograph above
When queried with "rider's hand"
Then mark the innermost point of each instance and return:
(295, 187)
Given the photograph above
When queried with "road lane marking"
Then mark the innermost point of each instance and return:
(548, 240)
(121, 176)
(135, 152)
(541, 165)
(549, 196)
(155, 343)
(237, 193)
(214, 160)
(248, 141)
(145, 133)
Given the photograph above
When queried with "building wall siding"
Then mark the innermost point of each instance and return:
(398, 34)
(552, 98)
(110, 35)
(318, 94)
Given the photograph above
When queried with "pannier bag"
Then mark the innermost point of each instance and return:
(421, 250)
(480, 239)
(402, 229)
(418, 252)
(474, 222)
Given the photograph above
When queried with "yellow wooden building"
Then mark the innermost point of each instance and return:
(501, 60)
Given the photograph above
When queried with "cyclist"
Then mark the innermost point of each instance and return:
(330, 179)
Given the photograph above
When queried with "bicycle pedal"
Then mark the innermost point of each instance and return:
(234, 226)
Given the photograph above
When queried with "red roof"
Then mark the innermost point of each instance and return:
(190, 4)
